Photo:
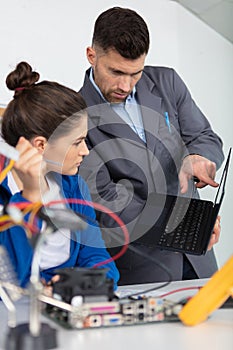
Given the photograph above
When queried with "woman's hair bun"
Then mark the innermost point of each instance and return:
(22, 77)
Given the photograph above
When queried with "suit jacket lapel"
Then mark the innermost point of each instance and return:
(151, 106)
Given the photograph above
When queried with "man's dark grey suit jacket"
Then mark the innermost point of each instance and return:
(121, 170)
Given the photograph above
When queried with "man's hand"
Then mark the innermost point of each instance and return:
(199, 167)
(216, 233)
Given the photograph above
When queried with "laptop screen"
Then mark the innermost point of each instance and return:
(222, 183)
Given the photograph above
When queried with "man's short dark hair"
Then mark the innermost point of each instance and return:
(122, 29)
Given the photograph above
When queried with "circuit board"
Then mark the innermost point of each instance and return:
(113, 313)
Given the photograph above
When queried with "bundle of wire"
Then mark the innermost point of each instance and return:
(10, 153)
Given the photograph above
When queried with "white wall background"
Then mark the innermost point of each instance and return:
(52, 36)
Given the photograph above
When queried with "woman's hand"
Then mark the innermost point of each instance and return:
(30, 169)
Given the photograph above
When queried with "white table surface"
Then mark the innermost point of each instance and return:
(216, 333)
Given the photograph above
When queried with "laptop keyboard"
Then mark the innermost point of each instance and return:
(189, 217)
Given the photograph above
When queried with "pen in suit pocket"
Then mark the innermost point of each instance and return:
(167, 121)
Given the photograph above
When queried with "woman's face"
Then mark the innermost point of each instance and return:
(65, 154)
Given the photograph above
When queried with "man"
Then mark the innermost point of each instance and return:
(146, 135)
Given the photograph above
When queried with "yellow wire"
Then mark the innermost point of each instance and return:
(34, 211)
(5, 171)
(6, 226)
(8, 222)
(5, 218)
(12, 224)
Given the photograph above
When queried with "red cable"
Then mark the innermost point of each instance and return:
(23, 205)
(178, 290)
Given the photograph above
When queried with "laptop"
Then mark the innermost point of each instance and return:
(180, 224)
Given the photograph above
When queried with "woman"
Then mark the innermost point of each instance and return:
(47, 123)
